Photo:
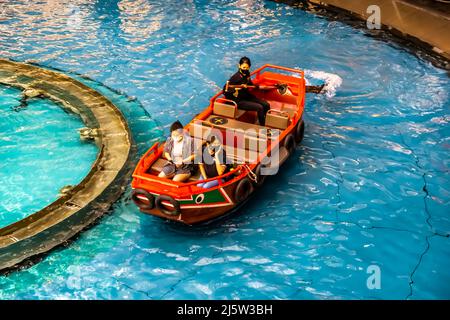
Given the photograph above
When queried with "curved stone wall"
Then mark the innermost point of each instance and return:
(106, 181)
(426, 22)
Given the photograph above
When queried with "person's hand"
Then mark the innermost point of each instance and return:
(217, 154)
(178, 164)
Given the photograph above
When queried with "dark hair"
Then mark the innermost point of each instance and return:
(246, 60)
(175, 126)
(213, 137)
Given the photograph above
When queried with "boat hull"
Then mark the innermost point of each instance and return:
(203, 206)
(218, 202)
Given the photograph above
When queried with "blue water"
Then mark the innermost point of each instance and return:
(40, 152)
(369, 185)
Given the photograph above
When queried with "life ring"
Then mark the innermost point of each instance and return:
(172, 212)
(299, 131)
(259, 177)
(289, 143)
(243, 190)
(199, 199)
(148, 203)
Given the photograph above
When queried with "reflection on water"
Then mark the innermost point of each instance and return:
(134, 15)
(368, 186)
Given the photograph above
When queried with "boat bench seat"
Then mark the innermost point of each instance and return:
(240, 113)
(247, 140)
(220, 123)
(159, 164)
(280, 106)
(237, 155)
(199, 130)
(250, 129)
(227, 108)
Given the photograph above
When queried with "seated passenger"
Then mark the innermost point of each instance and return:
(179, 150)
(213, 162)
(236, 90)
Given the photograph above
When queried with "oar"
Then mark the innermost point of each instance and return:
(281, 87)
(315, 89)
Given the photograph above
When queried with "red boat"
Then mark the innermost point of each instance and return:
(256, 151)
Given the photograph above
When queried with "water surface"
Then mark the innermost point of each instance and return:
(368, 186)
(40, 152)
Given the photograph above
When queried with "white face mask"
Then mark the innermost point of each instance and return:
(213, 148)
(178, 137)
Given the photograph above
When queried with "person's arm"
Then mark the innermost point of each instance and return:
(202, 171)
(219, 166)
(189, 159)
(229, 87)
(168, 149)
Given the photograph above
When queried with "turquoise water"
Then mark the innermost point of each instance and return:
(40, 152)
(369, 185)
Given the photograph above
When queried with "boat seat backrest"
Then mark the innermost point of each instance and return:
(240, 113)
(277, 105)
(200, 130)
(224, 109)
(277, 119)
(158, 164)
(237, 155)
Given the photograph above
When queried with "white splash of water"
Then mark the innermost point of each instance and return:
(332, 81)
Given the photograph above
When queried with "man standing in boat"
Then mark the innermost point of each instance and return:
(236, 89)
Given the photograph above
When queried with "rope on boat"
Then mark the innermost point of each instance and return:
(251, 174)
